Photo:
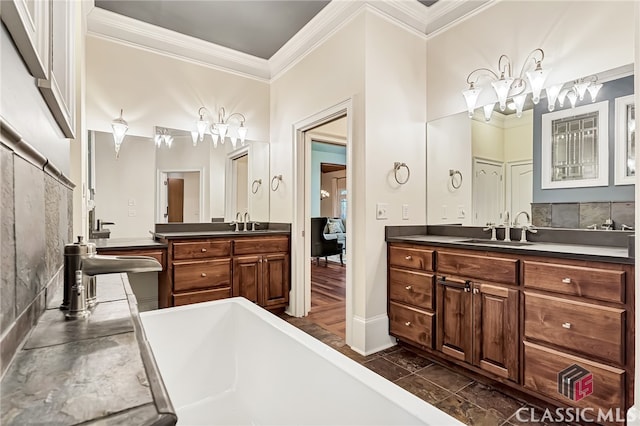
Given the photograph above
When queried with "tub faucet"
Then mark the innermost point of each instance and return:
(247, 219)
(507, 226)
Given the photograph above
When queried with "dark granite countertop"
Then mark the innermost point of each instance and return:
(170, 231)
(99, 370)
(209, 234)
(569, 250)
(127, 243)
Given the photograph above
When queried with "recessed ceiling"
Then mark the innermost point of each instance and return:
(258, 28)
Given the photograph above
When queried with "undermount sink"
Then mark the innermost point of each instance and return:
(496, 242)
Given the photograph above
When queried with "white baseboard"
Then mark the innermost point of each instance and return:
(371, 335)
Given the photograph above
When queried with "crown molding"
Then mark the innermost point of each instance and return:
(105, 24)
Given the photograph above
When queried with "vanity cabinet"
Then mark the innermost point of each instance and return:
(520, 319)
(204, 269)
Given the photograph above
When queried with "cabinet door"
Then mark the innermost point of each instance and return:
(275, 280)
(454, 318)
(496, 330)
(246, 277)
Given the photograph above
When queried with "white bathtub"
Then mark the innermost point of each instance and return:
(230, 362)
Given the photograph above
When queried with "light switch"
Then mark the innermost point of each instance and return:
(405, 212)
(132, 212)
(132, 202)
(461, 213)
(382, 210)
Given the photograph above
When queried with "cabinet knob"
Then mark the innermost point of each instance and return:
(266, 260)
(203, 274)
(566, 325)
(476, 291)
(566, 280)
(408, 287)
(203, 250)
(408, 323)
(260, 260)
(408, 257)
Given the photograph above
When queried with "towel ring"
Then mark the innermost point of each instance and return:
(256, 185)
(396, 167)
(277, 179)
(452, 174)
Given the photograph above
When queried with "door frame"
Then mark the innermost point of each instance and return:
(231, 187)
(300, 298)
(509, 183)
(474, 187)
(161, 197)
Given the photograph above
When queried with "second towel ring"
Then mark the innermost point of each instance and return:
(277, 179)
(396, 167)
(452, 174)
(256, 185)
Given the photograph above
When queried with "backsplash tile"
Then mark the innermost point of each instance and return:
(582, 215)
(541, 214)
(594, 214)
(623, 213)
(565, 215)
(7, 242)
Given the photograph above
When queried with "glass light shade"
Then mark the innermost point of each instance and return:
(572, 98)
(536, 80)
(168, 140)
(120, 128)
(581, 88)
(471, 96)
(214, 138)
(242, 133)
(202, 126)
(502, 87)
(222, 130)
(158, 140)
(552, 95)
(233, 139)
(488, 110)
(561, 97)
(519, 101)
(194, 137)
(593, 90)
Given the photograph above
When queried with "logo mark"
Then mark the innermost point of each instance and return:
(575, 382)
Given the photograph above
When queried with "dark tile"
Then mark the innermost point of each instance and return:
(7, 243)
(386, 369)
(53, 258)
(69, 216)
(541, 214)
(407, 359)
(423, 389)
(565, 215)
(29, 232)
(490, 399)
(444, 377)
(468, 413)
(594, 213)
(135, 416)
(55, 290)
(623, 213)
(19, 330)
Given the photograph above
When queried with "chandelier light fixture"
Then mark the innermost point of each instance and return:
(573, 93)
(120, 128)
(219, 129)
(506, 85)
(163, 136)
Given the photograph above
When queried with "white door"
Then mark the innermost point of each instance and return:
(520, 187)
(488, 192)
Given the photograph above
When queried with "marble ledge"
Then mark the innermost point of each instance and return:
(99, 370)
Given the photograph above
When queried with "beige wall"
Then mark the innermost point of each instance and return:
(518, 137)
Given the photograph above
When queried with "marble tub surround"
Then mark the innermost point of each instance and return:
(99, 370)
(582, 215)
(35, 224)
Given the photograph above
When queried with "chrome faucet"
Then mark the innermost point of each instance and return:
(246, 219)
(237, 221)
(507, 226)
(526, 215)
(526, 227)
(625, 227)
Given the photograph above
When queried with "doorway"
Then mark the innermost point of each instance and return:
(300, 301)
(180, 196)
(488, 190)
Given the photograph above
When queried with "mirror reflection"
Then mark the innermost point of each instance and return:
(502, 163)
(170, 179)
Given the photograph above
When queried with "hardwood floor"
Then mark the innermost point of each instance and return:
(328, 289)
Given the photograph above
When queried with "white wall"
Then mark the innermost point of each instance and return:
(242, 170)
(449, 147)
(518, 137)
(487, 139)
(567, 32)
(191, 210)
(124, 180)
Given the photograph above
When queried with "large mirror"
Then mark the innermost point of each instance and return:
(168, 178)
(501, 164)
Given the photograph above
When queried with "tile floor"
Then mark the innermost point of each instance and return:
(461, 397)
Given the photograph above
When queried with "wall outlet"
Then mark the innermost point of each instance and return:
(461, 213)
(405, 212)
(382, 211)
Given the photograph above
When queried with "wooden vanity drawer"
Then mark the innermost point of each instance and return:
(201, 249)
(413, 324)
(411, 257)
(596, 331)
(601, 284)
(201, 274)
(542, 366)
(493, 269)
(201, 296)
(260, 245)
(413, 288)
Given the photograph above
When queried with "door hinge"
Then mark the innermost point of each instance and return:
(166, 182)
(302, 234)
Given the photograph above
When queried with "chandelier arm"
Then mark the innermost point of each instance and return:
(237, 113)
(518, 83)
(531, 55)
(201, 113)
(481, 69)
(508, 66)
